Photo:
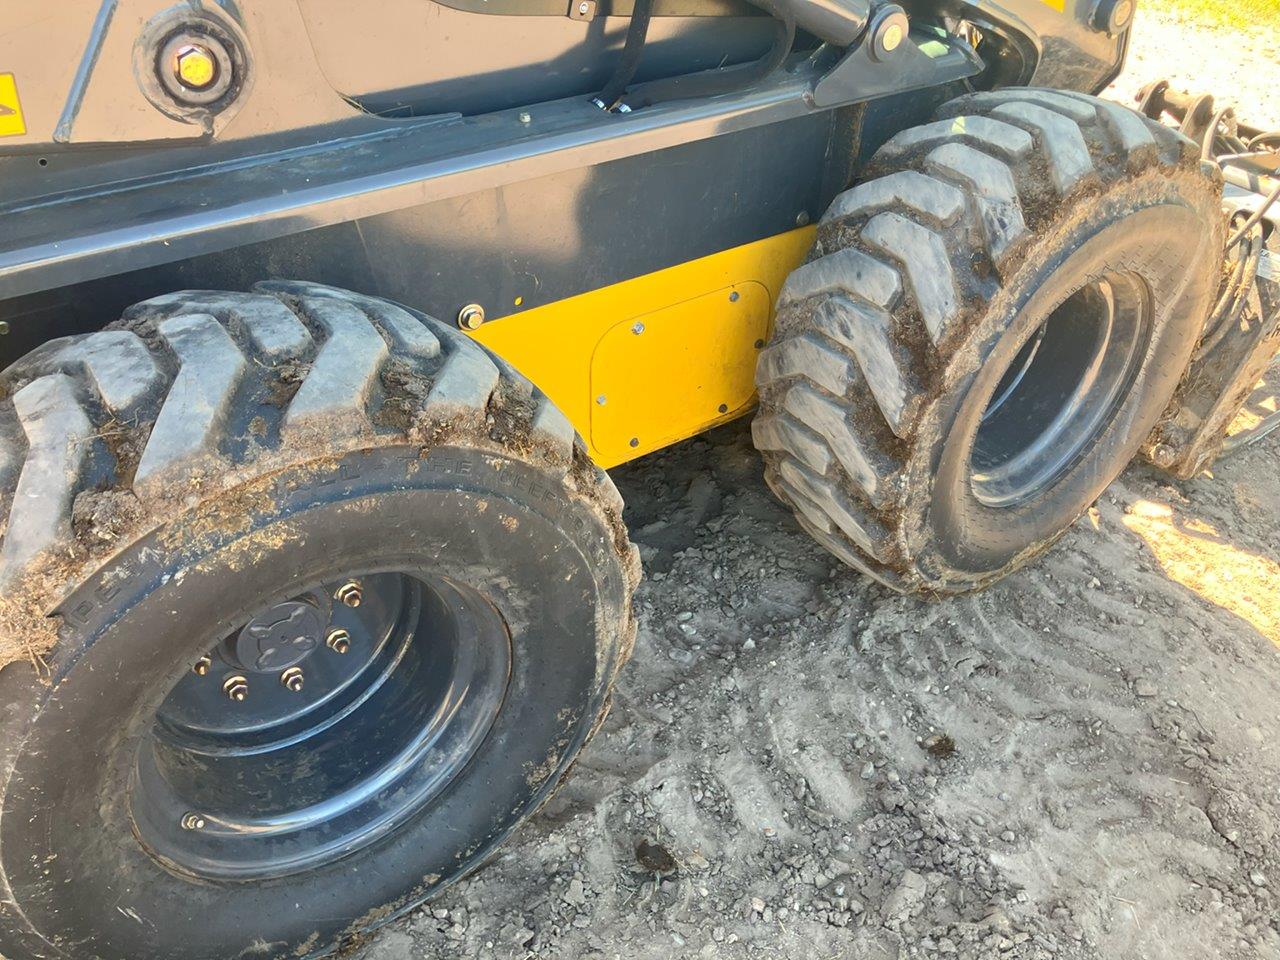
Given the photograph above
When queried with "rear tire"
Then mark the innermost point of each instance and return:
(339, 598)
(985, 333)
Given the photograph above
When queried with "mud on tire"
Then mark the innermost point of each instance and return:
(206, 455)
(981, 256)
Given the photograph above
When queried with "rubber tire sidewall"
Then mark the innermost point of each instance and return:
(1155, 233)
(543, 557)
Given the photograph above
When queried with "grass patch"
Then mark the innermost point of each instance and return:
(1240, 14)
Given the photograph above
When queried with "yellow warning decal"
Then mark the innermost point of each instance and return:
(1059, 5)
(11, 122)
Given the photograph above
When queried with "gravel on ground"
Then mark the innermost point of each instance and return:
(1081, 762)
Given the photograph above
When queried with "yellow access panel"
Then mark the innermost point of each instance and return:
(696, 362)
(647, 362)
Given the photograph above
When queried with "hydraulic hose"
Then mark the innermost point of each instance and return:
(1256, 218)
(1249, 236)
(1238, 142)
(632, 49)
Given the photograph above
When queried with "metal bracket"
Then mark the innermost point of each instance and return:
(1225, 380)
(919, 61)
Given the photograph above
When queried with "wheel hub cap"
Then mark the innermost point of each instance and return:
(282, 637)
(282, 752)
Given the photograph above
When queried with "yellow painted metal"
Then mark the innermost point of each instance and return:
(700, 359)
(701, 324)
(11, 121)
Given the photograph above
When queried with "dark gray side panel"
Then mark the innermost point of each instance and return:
(541, 240)
(413, 57)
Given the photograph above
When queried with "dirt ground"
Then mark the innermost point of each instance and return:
(1081, 762)
(1241, 68)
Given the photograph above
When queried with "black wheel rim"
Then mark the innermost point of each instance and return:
(250, 773)
(1060, 391)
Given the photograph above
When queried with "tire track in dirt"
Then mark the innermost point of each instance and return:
(785, 733)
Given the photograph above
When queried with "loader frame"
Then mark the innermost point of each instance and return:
(627, 263)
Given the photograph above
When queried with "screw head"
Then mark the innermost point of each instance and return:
(203, 666)
(195, 66)
(193, 821)
(339, 641)
(637, 328)
(471, 316)
(236, 688)
(349, 594)
(526, 116)
(293, 679)
(735, 296)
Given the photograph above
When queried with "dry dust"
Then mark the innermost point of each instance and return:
(1079, 762)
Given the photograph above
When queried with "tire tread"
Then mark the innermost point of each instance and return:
(189, 372)
(898, 275)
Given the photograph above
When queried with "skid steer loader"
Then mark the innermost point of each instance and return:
(321, 322)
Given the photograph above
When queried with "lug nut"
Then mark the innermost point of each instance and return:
(292, 679)
(203, 665)
(236, 688)
(339, 641)
(348, 593)
(195, 66)
(193, 821)
(1163, 455)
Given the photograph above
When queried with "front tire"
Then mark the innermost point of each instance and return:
(987, 330)
(340, 599)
